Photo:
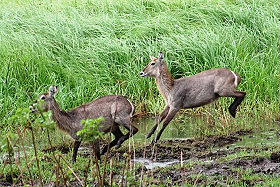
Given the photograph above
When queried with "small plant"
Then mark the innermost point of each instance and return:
(90, 131)
(6, 142)
(22, 118)
(45, 121)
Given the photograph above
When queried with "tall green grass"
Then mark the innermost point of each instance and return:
(94, 48)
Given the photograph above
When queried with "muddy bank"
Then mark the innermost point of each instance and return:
(173, 149)
(211, 164)
(270, 166)
(204, 161)
(190, 148)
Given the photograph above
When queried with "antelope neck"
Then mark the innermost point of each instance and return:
(61, 117)
(165, 82)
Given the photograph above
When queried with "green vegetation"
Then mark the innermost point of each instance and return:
(94, 48)
(36, 154)
(90, 130)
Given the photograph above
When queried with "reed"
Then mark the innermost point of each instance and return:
(85, 45)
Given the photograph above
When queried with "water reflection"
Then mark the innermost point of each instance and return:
(152, 164)
(259, 139)
(176, 129)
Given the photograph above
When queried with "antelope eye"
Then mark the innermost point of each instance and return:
(153, 63)
(43, 97)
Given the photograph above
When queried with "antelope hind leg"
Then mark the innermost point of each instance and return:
(237, 101)
(132, 130)
(118, 134)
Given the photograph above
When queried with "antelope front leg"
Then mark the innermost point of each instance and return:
(158, 121)
(75, 150)
(169, 117)
(96, 149)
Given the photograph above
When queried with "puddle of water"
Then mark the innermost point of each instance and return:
(269, 138)
(176, 129)
(17, 154)
(181, 130)
(151, 164)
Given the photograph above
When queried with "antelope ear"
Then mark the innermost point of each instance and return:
(161, 56)
(153, 58)
(53, 90)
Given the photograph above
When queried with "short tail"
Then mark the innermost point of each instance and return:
(132, 108)
(237, 78)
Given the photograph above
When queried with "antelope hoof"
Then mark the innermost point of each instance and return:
(119, 143)
(149, 135)
(154, 141)
(73, 160)
(104, 150)
(118, 146)
(232, 112)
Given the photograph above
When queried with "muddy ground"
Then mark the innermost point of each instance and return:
(189, 148)
(206, 154)
(210, 165)
(214, 169)
(209, 158)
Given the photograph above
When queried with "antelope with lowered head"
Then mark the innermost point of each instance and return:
(193, 91)
(115, 109)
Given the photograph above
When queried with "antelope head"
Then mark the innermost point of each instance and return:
(44, 101)
(153, 68)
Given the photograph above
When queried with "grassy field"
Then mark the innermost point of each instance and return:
(94, 48)
(91, 48)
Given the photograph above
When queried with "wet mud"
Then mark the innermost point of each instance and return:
(210, 165)
(190, 148)
(269, 166)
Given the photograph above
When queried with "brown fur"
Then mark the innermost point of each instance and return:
(193, 91)
(117, 110)
(165, 81)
